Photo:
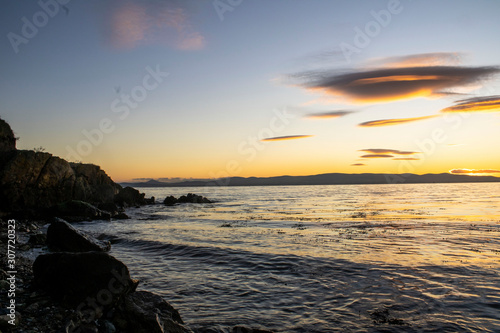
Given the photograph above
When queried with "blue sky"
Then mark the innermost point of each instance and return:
(228, 79)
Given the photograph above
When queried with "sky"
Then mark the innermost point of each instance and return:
(171, 89)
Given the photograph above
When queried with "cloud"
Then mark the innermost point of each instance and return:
(473, 171)
(419, 60)
(358, 164)
(376, 156)
(288, 137)
(129, 24)
(476, 104)
(328, 115)
(389, 151)
(389, 122)
(389, 84)
(406, 159)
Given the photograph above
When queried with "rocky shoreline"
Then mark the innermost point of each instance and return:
(73, 285)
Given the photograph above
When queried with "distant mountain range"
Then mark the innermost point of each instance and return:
(325, 179)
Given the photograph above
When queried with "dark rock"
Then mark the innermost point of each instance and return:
(121, 216)
(170, 200)
(145, 312)
(150, 201)
(244, 329)
(35, 181)
(110, 207)
(61, 236)
(89, 280)
(130, 197)
(38, 239)
(193, 198)
(93, 184)
(7, 138)
(189, 198)
(78, 211)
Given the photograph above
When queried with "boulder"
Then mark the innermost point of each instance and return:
(93, 184)
(145, 312)
(193, 198)
(61, 236)
(189, 198)
(90, 281)
(170, 200)
(130, 197)
(78, 211)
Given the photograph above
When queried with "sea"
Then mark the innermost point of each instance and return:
(336, 258)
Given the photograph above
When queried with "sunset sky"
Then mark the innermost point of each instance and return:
(207, 89)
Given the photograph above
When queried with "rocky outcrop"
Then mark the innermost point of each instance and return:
(189, 198)
(83, 280)
(145, 312)
(130, 197)
(61, 236)
(32, 182)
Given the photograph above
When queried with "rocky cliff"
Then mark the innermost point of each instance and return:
(32, 181)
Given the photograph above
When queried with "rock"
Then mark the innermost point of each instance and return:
(37, 239)
(170, 200)
(36, 181)
(93, 184)
(244, 329)
(7, 138)
(130, 197)
(78, 211)
(150, 201)
(7, 318)
(189, 198)
(145, 312)
(109, 207)
(121, 216)
(193, 198)
(61, 236)
(90, 280)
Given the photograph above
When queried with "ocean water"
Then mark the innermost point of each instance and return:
(354, 258)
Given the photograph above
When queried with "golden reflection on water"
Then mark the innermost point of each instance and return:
(409, 225)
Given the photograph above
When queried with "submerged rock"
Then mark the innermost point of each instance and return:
(61, 236)
(90, 280)
(145, 312)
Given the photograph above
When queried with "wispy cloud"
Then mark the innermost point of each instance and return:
(358, 164)
(389, 151)
(474, 171)
(328, 115)
(151, 22)
(476, 104)
(376, 156)
(406, 159)
(390, 122)
(389, 84)
(288, 137)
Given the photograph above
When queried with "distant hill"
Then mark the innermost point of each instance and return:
(325, 179)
